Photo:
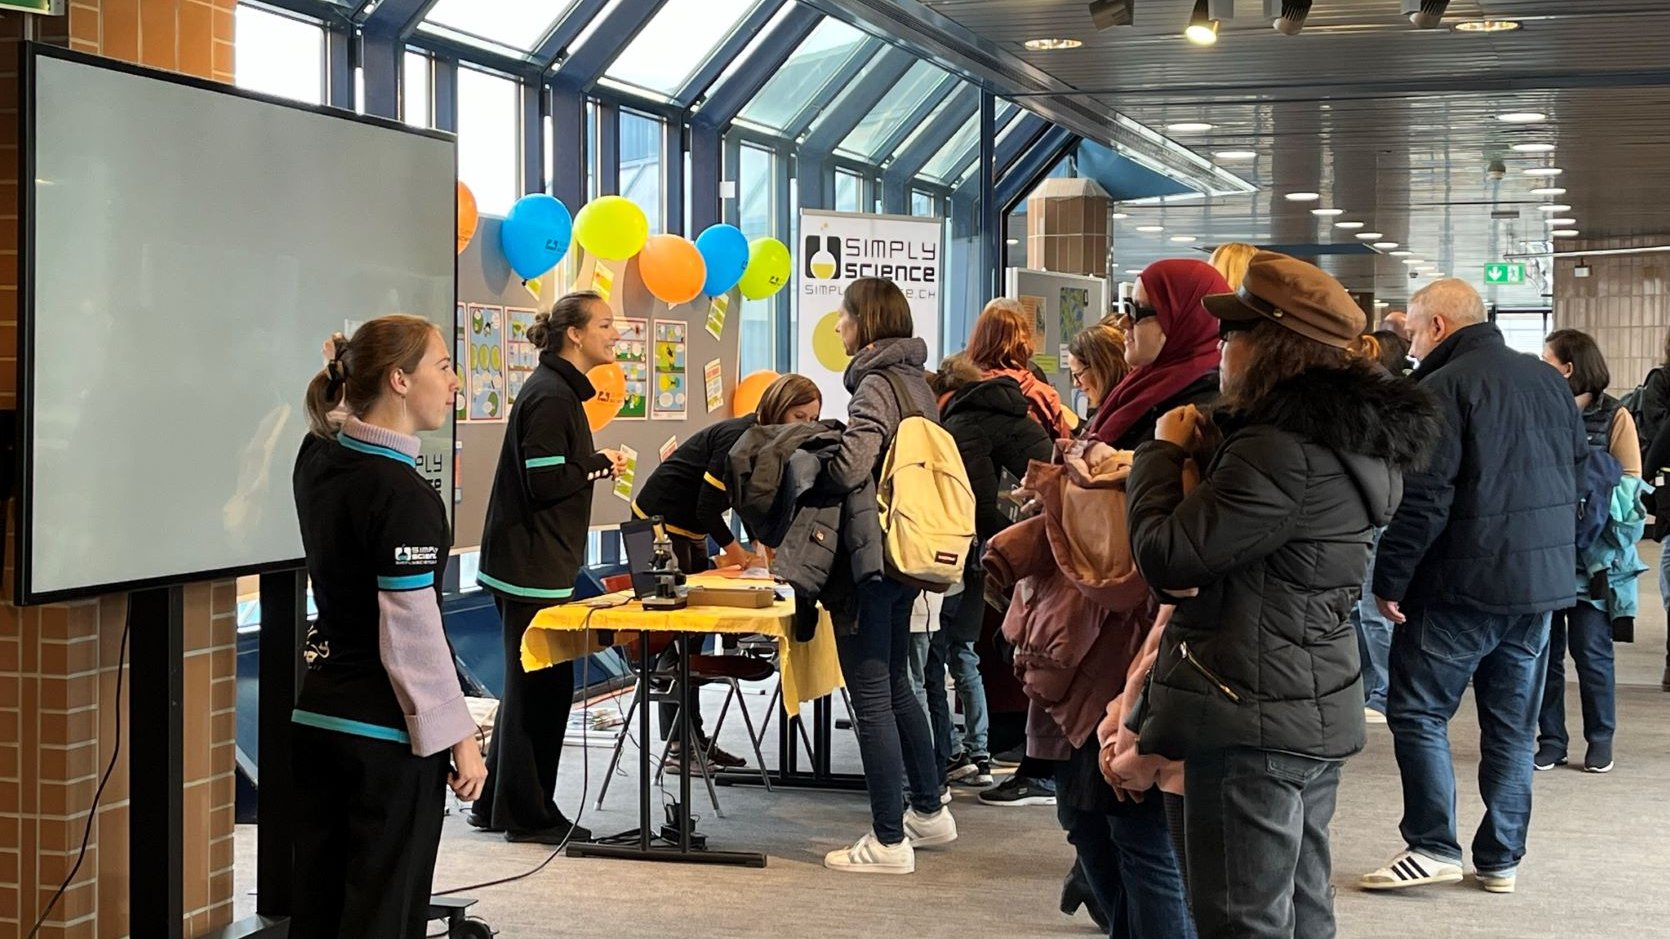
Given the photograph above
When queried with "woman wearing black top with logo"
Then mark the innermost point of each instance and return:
(688, 492)
(380, 704)
(531, 551)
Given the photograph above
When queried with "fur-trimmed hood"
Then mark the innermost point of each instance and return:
(1359, 410)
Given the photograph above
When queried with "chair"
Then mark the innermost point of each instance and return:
(704, 669)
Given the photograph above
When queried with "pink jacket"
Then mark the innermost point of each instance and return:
(1122, 766)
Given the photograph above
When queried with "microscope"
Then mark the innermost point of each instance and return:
(670, 592)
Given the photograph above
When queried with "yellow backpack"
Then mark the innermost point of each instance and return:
(926, 502)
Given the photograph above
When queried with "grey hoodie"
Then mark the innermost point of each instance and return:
(873, 416)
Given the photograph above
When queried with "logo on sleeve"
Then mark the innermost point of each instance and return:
(410, 554)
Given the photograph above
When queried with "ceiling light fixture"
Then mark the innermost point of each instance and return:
(1327, 212)
(1371, 235)
(1288, 15)
(1385, 245)
(1533, 147)
(1400, 254)
(1522, 117)
(1413, 262)
(1202, 29)
(1564, 233)
(1544, 171)
(1119, 216)
(1487, 26)
(1189, 127)
(1425, 14)
(1151, 228)
(1236, 154)
(1348, 224)
(1014, 241)
(1303, 196)
(1548, 191)
(1553, 208)
(1182, 238)
(1051, 45)
(1558, 222)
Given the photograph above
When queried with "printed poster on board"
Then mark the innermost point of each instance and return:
(672, 378)
(1074, 302)
(632, 354)
(487, 381)
(837, 248)
(521, 356)
(460, 361)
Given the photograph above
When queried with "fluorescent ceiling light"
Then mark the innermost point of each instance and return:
(1486, 26)
(1413, 262)
(1400, 254)
(1151, 228)
(1553, 208)
(1371, 235)
(1564, 233)
(1182, 238)
(1544, 171)
(1303, 196)
(1548, 191)
(1050, 45)
(1189, 127)
(1522, 117)
(1327, 212)
(1533, 147)
(1348, 224)
(1385, 245)
(1558, 222)
(1119, 216)
(1236, 154)
(1014, 241)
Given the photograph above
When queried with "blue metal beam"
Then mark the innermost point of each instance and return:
(446, 95)
(475, 55)
(895, 187)
(672, 175)
(833, 125)
(1009, 149)
(991, 228)
(565, 31)
(608, 149)
(398, 17)
(339, 69)
(568, 139)
(531, 93)
(1032, 167)
(909, 161)
(923, 110)
(381, 56)
(587, 62)
(844, 77)
(734, 45)
(706, 162)
(724, 101)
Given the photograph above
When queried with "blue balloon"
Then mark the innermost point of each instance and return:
(725, 249)
(536, 234)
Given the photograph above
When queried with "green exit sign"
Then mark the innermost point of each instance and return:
(1504, 273)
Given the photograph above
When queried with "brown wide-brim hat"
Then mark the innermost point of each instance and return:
(1291, 293)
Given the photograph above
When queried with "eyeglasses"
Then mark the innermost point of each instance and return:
(1140, 313)
(1077, 373)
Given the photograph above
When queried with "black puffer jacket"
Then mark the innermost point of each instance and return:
(1491, 524)
(1276, 537)
(989, 421)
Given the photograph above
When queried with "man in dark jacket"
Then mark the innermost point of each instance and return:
(1480, 553)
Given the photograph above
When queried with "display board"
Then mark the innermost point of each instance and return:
(838, 248)
(187, 250)
(1061, 305)
(485, 279)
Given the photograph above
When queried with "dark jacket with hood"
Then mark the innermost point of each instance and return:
(1491, 524)
(1276, 537)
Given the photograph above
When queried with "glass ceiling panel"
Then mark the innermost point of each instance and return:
(814, 62)
(677, 40)
(893, 109)
(518, 24)
(951, 159)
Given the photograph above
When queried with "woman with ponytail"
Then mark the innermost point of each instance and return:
(532, 547)
(380, 727)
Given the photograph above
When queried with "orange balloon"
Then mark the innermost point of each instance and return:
(749, 390)
(672, 268)
(610, 383)
(468, 217)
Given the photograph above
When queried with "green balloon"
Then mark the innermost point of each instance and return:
(769, 267)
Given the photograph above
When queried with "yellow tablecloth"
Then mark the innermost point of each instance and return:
(810, 670)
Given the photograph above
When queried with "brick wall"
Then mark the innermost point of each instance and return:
(58, 664)
(1624, 303)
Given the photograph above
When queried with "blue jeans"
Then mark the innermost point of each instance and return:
(1374, 636)
(1589, 633)
(918, 671)
(1132, 871)
(1256, 826)
(1434, 655)
(964, 663)
(893, 737)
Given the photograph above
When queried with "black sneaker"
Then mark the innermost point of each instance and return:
(1599, 758)
(1549, 756)
(960, 768)
(1014, 755)
(1020, 791)
(982, 773)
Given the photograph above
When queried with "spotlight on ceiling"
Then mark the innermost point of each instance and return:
(1202, 29)
(1106, 14)
(1288, 16)
(1425, 14)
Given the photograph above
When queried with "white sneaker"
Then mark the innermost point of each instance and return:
(1499, 882)
(869, 856)
(1371, 716)
(930, 831)
(1411, 869)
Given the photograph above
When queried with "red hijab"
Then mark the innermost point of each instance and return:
(1175, 288)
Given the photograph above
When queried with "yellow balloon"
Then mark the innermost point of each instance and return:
(826, 344)
(769, 267)
(611, 228)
